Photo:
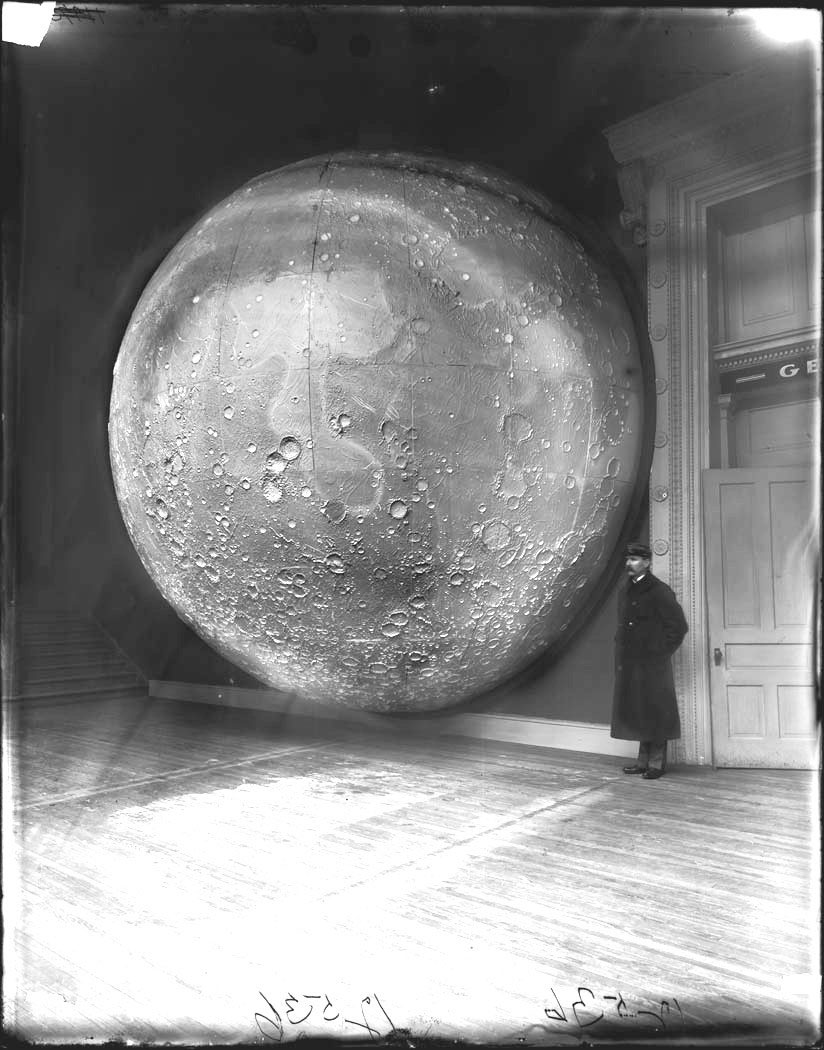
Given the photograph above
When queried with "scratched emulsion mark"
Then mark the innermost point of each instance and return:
(376, 426)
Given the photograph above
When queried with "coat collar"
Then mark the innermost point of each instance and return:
(642, 585)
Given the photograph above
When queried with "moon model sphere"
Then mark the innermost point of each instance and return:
(375, 428)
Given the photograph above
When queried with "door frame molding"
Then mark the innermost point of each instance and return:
(723, 148)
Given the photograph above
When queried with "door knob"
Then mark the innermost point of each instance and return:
(718, 657)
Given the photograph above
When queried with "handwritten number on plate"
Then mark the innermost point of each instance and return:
(269, 1027)
(580, 1002)
(620, 1005)
(651, 1013)
(295, 1020)
(552, 1013)
(386, 1015)
(667, 1011)
(373, 1032)
(329, 1007)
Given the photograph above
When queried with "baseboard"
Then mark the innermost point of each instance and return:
(517, 729)
(101, 696)
(544, 732)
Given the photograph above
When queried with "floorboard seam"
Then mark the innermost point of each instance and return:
(494, 829)
(161, 778)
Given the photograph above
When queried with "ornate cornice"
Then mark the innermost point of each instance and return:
(733, 361)
(761, 96)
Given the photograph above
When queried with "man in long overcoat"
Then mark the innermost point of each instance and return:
(651, 626)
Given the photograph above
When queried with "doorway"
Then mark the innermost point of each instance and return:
(761, 531)
(760, 500)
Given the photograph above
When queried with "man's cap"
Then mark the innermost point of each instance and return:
(638, 550)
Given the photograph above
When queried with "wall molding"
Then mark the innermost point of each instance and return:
(515, 729)
(722, 142)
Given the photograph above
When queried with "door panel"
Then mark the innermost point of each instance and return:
(795, 706)
(768, 655)
(775, 435)
(761, 533)
(790, 504)
(739, 561)
(745, 711)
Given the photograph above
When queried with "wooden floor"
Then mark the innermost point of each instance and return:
(185, 873)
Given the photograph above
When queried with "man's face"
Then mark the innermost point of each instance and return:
(636, 565)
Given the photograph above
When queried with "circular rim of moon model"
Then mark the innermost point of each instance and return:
(380, 426)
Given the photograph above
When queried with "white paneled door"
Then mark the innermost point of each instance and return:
(762, 557)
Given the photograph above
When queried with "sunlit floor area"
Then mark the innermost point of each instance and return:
(180, 872)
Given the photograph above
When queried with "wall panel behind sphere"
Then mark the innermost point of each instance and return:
(132, 128)
(777, 435)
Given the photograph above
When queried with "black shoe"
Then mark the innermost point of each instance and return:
(653, 774)
(636, 769)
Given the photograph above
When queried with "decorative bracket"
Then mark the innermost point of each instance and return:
(633, 186)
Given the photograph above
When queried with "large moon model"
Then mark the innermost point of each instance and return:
(376, 426)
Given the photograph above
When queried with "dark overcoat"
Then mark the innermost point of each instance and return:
(651, 626)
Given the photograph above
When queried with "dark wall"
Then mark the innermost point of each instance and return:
(132, 123)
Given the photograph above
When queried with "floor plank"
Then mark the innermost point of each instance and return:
(168, 866)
